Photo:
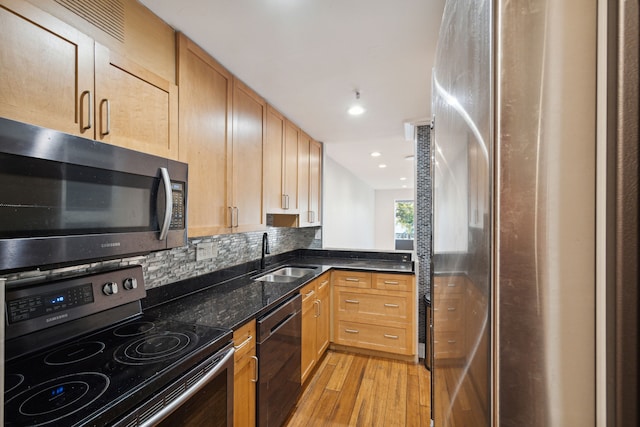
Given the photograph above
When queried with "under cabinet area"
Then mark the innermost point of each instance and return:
(316, 313)
(245, 375)
(79, 86)
(374, 311)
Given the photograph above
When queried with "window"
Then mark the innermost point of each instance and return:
(404, 227)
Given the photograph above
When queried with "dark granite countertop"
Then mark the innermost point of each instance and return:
(230, 298)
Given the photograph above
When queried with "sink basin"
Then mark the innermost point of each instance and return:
(276, 278)
(285, 274)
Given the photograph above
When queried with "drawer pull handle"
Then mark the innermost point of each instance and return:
(452, 341)
(452, 285)
(352, 301)
(243, 343)
(393, 337)
(255, 380)
(352, 331)
(391, 282)
(351, 279)
(323, 284)
(392, 305)
(451, 309)
(309, 294)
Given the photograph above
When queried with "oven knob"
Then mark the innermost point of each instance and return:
(130, 283)
(110, 288)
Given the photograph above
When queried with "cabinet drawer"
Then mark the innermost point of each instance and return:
(365, 305)
(448, 284)
(308, 294)
(352, 279)
(393, 282)
(448, 345)
(244, 340)
(448, 312)
(374, 337)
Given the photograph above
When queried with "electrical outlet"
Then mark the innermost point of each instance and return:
(206, 250)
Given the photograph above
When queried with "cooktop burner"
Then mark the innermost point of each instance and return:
(74, 353)
(91, 380)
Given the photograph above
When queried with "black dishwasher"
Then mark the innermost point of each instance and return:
(279, 348)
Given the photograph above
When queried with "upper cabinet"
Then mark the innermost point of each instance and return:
(280, 164)
(79, 86)
(310, 182)
(135, 108)
(46, 70)
(221, 133)
(246, 204)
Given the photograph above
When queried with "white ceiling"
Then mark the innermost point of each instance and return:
(307, 58)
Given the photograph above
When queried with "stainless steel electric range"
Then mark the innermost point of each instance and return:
(79, 351)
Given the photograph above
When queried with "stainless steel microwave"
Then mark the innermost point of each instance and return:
(66, 199)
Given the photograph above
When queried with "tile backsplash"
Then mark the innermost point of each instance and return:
(164, 267)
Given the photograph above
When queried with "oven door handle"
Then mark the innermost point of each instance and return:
(167, 410)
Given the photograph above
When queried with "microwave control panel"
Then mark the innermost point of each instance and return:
(177, 216)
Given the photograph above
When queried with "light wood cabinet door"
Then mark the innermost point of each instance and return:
(315, 183)
(205, 127)
(304, 142)
(135, 108)
(273, 164)
(245, 375)
(308, 350)
(291, 168)
(249, 112)
(46, 70)
(323, 319)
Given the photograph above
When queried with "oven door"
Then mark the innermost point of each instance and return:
(201, 397)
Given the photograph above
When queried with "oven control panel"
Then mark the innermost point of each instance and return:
(33, 307)
(30, 307)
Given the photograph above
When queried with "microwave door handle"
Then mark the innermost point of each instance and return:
(168, 208)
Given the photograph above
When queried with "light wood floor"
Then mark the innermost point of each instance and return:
(355, 390)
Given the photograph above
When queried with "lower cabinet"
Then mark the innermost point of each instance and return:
(315, 323)
(448, 317)
(375, 311)
(245, 375)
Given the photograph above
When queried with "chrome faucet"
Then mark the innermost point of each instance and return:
(265, 249)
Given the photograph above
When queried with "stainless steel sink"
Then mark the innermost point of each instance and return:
(285, 274)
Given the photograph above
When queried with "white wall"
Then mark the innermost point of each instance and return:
(348, 207)
(385, 216)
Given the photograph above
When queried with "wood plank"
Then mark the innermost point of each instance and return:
(363, 390)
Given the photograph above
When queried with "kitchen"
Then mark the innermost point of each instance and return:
(231, 233)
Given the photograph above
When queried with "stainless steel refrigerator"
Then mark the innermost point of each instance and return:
(535, 203)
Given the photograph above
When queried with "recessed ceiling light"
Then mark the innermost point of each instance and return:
(375, 154)
(356, 109)
(403, 179)
(404, 186)
(382, 166)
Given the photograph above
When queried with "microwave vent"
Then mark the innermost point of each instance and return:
(107, 15)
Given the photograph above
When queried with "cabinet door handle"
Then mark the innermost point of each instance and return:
(317, 304)
(255, 359)
(393, 337)
(452, 285)
(243, 343)
(392, 305)
(452, 341)
(351, 279)
(352, 301)
(87, 93)
(391, 282)
(230, 217)
(352, 331)
(237, 216)
(284, 202)
(107, 130)
(451, 309)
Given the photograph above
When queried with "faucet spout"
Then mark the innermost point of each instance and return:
(265, 249)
